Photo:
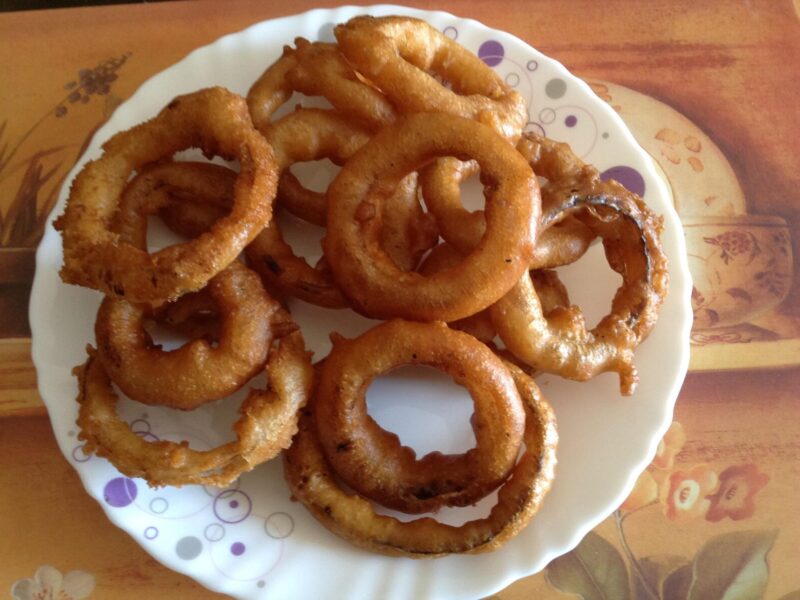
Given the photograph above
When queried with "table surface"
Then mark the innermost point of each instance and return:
(730, 68)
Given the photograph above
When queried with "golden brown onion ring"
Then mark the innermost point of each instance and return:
(206, 197)
(199, 371)
(272, 89)
(312, 134)
(402, 55)
(561, 244)
(357, 198)
(559, 342)
(321, 70)
(372, 460)
(267, 423)
(314, 483)
(479, 325)
(190, 212)
(214, 120)
(548, 286)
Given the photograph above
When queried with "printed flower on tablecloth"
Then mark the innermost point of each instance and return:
(736, 495)
(669, 446)
(644, 492)
(683, 494)
(49, 584)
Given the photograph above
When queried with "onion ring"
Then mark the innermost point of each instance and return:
(321, 70)
(317, 69)
(549, 288)
(272, 89)
(398, 53)
(479, 325)
(214, 120)
(267, 423)
(311, 134)
(313, 482)
(561, 244)
(197, 372)
(372, 460)
(559, 342)
(375, 286)
(196, 195)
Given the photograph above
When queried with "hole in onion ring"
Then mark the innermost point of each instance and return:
(472, 197)
(160, 236)
(204, 428)
(595, 299)
(315, 175)
(449, 515)
(172, 338)
(304, 238)
(426, 426)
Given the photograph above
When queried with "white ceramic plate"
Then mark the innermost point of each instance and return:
(251, 541)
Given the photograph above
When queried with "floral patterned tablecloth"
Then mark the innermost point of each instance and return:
(709, 89)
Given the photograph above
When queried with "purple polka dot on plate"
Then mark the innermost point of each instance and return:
(451, 32)
(570, 121)
(627, 176)
(120, 492)
(234, 503)
(237, 548)
(151, 533)
(491, 52)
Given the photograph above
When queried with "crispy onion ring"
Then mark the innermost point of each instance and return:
(357, 196)
(314, 483)
(197, 372)
(399, 53)
(272, 90)
(311, 134)
(561, 244)
(193, 196)
(372, 460)
(548, 286)
(214, 120)
(267, 423)
(559, 342)
(199, 194)
(305, 135)
(479, 325)
(321, 70)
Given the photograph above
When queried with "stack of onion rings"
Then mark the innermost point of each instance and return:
(267, 423)
(371, 460)
(559, 342)
(315, 481)
(214, 120)
(413, 114)
(403, 56)
(372, 282)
